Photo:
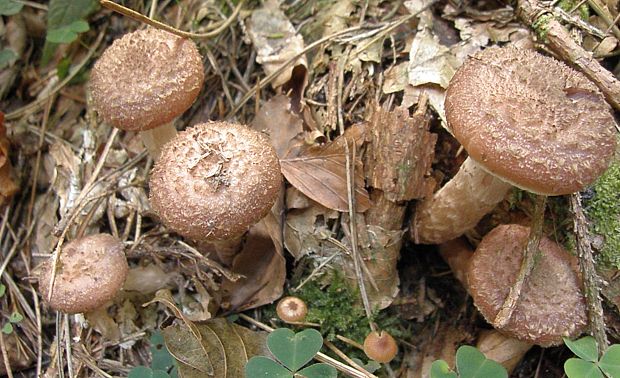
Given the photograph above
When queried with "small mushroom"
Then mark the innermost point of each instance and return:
(144, 80)
(90, 271)
(380, 346)
(213, 181)
(551, 304)
(292, 309)
(526, 120)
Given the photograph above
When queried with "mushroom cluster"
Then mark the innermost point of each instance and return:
(525, 120)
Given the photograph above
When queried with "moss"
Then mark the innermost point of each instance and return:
(569, 6)
(603, 209)
(541, 26)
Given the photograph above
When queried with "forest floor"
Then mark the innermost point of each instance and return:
(351, 95)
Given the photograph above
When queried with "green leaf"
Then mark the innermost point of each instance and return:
(2, 290)
(318, 371)
(144, 372)
(7, 329)
(7, 56)
(578, 368)
(441, 369)
(294, 350)
(261, 367)
(610, 362)
(471, 363)
(67, 33)
(16, 317)
(584, 348)
(161, 357)
(62, 13)
(10, 7)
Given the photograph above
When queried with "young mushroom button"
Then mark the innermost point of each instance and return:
(215, 180)
(525, 119)
(551, 305)
(144, 80)
(91, 270)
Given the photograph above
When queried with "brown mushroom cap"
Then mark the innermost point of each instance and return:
(531, 120)
(90, 272)
(380, 346)
(292, 309)
(551, 304)
(146, 79)
(215, 180)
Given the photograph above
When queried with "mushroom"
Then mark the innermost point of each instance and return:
(526, 120)
(292, 309)
(91, 270)
(551, 304)
(145, 80)
(213, 181)
(380, 346)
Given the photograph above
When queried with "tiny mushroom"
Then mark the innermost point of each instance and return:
(292, 309)
(526, 120)
(551, 304)
(213, 181)
(90, 271)
(144, 80)
(380, 346)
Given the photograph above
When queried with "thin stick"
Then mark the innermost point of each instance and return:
(591, 280)
(341, 354)
(352, 372)
(357, 260)
(527, 263)
(160, 25)
(5, 357)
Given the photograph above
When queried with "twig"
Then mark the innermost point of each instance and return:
(560, 41)
(601, 10)
(527, 263)
(591, 280)
(160, 25)
(351, 371)
(341, 354)
(357, 259)
(210, 263)
(5, 357)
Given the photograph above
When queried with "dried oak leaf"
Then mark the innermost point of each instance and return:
(282, 125)
(8, 187)
(261, 264)
(320, 172)
(222, 350)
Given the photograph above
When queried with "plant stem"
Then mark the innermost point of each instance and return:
(588, 272)
(527, 263)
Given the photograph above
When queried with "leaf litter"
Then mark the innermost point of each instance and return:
(355, 116)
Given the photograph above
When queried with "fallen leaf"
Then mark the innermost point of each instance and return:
(276, 119)
(276, 42)
(222, 351)
(8, 187)
(261, 264)
(430, 61)
(320, 172)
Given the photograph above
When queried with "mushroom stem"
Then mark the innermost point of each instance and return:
(459, 205)
(527, 263)
(154, 139)
(227, 249)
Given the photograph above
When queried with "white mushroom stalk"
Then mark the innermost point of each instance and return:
(525, 119)
(144, 81)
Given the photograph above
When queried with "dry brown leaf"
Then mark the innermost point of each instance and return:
(276, 119)
(261, 263)
(8, 186)
(320, 172)
(276, 41)
(398, 159)
(430, 61)
(222, 351)
(506, 350)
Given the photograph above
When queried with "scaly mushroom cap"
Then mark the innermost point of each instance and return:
(146, 79)
(90, 272)
(215, 180)
(531, 120)
(551, 303)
